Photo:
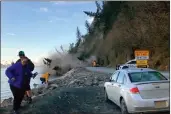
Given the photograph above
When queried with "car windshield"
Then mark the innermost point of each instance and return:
(146, 76)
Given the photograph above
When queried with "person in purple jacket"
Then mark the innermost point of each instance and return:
(19, 75)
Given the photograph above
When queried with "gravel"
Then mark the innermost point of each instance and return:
(77, 92)
(83, 100)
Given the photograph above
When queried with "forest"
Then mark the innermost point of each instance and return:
(121, 27)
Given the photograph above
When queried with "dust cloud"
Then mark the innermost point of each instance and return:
(64, 60)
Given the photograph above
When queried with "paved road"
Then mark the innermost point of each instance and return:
(111, 70)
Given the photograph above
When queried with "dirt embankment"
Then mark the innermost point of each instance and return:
(77, 77)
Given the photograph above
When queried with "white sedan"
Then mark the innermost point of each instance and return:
(138, 90)
(129, 64)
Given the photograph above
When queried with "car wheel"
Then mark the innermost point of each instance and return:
(106, 96)
(123, 107)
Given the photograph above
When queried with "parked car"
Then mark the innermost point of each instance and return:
(129, 64)
(138, 90)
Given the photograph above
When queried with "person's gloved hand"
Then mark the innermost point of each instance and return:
(12, 79)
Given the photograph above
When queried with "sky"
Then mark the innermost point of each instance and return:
(37, 28)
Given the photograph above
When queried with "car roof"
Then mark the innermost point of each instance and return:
(131, 70)
(131, 60)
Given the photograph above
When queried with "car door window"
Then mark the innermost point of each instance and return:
(114, 76)
(124, 80)
(120, 78)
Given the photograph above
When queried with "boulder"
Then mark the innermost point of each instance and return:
(53, 85)
(7, 102)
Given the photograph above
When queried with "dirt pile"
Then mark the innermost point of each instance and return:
(77, 77)
(80, 77)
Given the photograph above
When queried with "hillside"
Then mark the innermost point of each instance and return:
(121, 27)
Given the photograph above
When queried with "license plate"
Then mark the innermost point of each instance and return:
(160, 104)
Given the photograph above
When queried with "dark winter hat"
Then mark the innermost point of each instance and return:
(21, 53)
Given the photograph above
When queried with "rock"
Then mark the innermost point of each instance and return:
(88, 83)
(52, 88)
(72, 82)
(33, 97)
(37, 91)
(95, 82)
(40, 92)
(100, 78)
(59, 97)
(54, 85)
(101, 84)
(96, 108)
(81, 81)
(7, 102)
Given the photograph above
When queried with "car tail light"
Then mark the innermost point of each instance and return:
(134, 90)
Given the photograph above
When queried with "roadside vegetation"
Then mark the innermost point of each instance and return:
(120, 27)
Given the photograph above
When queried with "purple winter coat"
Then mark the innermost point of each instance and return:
(16, 71)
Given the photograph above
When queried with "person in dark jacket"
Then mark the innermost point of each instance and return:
(21, 54)
(18, 74)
